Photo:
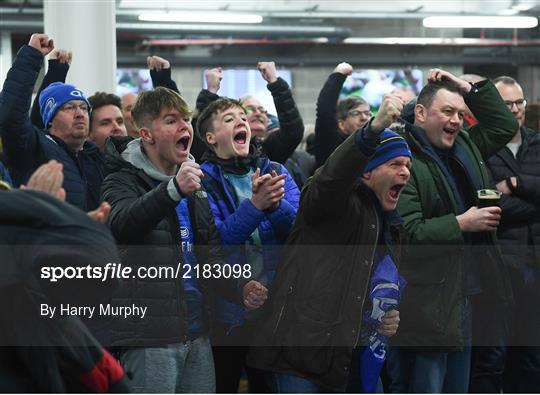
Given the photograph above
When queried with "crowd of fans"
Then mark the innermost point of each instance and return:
(372, 262)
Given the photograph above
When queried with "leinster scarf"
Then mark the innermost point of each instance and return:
(385, 288)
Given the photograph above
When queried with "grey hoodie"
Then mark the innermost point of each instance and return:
(135, 155)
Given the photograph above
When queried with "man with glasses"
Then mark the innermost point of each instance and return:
(65, 111)
(334, 125)
(510, 362)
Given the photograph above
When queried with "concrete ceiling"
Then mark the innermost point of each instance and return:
(309, 28)
(356, 8)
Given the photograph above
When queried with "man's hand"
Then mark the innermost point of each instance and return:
(344, 68)
(42, 43)
(213, 79)
(439, 75)
(268, 71)
(101, 213)
(267, 190)
(502, 186)
(62, 55)
(157, 64)
(389, 111)
(48, 178)
(255, 294)
(480, 219)
(189, 177)
(389, 323)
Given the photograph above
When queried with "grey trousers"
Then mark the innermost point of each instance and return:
(175, 368)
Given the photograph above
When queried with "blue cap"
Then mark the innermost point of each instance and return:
(391, 145)
(55, 96)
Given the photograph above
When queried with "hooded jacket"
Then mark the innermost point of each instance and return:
(145, 224)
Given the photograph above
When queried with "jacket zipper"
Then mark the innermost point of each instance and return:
(289, 291)
(371, 264)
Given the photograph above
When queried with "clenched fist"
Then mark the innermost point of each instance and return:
(255, 294)
(389, 112)
(344, 68)
(42, 43)
(189, 177)
(268, 71)
(157, 63)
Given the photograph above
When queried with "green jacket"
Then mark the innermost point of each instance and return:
(431, 310)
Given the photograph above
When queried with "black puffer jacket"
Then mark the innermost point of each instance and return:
(144, 222)
(327, 134)
(520, 237)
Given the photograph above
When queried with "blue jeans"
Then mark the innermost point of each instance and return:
(432, 372)
(283, 383)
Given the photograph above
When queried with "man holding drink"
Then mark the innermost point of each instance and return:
(452, 260)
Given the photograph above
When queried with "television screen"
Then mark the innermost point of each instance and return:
(132, 81)
(373, 84)
(237, 83)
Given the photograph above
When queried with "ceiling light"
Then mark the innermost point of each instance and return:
(480, 22)
(200, 17)
(508, 11)
(523, 6)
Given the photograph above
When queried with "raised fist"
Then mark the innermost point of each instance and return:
(344, 68)
(268, 71)
(157, 63)
(62, 55)
(389, 112)
(42, 43)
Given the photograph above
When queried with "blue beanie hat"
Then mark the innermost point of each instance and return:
(56, 95)
(391, 145)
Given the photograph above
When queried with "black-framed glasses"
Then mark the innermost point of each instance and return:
(520, 103)
(253, 110)
(356, 113)
(71, 108)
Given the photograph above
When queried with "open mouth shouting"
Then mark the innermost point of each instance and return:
(240, 137)
(183, 143)
(451, 131)
(395, 191)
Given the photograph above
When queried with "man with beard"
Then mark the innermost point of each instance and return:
(452, 258)
(65, 112)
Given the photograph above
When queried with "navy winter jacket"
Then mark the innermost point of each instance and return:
(27, 147)
(236, 222)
